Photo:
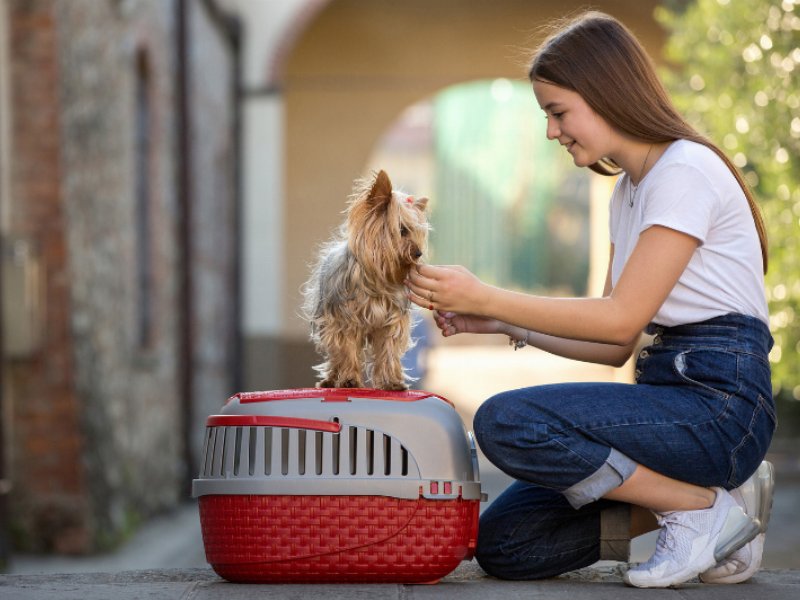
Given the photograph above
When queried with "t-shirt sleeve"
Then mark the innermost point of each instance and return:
(682, 199)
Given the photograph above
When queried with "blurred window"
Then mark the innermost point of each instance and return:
(143, 203)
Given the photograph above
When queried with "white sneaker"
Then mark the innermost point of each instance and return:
(755, 497)
(692, 541)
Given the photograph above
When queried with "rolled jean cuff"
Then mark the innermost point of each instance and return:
(611, 475)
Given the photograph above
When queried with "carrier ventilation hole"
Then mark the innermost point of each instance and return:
(353, 449)
(237, 451)
(251, 451)
(284, 451)
(220, 442)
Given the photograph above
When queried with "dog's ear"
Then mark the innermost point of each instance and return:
(381, 191)
(421, 204)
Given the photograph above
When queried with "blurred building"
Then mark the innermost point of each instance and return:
(119, 221)
(146, 145)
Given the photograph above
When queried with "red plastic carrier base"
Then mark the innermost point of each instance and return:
(336, 539)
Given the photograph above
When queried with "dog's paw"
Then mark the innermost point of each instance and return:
(394, 387)
(326, 383)
(350, 383)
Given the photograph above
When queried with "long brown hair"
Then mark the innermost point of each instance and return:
(599, 58)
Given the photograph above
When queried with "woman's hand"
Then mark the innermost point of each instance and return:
(447, 288)
(452, 323)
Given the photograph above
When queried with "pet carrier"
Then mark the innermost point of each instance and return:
(338, 485)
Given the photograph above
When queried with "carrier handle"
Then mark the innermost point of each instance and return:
(268, 421)
(335, 395)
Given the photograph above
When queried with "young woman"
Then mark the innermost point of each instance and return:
(688, 255)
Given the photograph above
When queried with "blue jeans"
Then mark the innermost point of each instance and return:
(701, 411)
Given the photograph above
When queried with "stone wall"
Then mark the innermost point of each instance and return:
(128, 385)
(102, 421)
(49, 500)
(214, 216)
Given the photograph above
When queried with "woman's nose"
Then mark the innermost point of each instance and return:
(553, 130)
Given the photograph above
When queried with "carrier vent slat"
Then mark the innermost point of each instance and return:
(336, 453)
(237, 451)
(345, 439)
(386, 444)
(252, 452)
(257, 442)
(302, 455)
(216, 458)
(314, 451)
(277, 454)
(327, 453)
(229, 451)
(361, 453)
(376, 453)
(244, 452)
(291, 460)
(208, 452)
(396, 458)
(267, 431)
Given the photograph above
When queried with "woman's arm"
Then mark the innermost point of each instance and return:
(604, 354)
(652, 270)
(593, 352)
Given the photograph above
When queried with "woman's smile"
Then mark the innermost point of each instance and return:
(569, 115)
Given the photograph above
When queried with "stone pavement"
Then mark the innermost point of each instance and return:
(173, 543)
(467, 582)
(166, 560)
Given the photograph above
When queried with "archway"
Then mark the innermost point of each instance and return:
(351, 71)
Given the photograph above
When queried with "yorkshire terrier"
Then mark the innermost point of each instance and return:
(356, 298)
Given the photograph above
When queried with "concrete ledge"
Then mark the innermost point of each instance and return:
(465, 583)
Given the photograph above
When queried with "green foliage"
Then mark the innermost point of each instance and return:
(735, 74)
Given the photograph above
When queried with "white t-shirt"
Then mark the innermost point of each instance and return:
(691, 190)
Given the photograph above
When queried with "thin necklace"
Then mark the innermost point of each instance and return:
(632, 188)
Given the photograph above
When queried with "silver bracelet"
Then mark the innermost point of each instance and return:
(518, 343)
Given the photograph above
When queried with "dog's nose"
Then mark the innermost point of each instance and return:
(418, 254)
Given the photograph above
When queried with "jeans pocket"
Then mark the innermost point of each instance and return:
(714, 370)
(749, 453)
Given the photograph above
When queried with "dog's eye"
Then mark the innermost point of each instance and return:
(403, 230)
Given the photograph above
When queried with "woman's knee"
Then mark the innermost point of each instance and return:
(485, 426)
(508, 421)
(482, 419)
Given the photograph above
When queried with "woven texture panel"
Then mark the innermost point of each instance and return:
(336, 538)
